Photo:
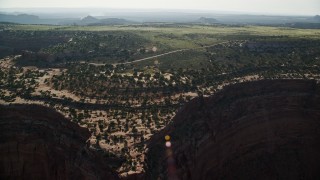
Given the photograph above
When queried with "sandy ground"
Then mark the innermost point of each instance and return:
(59, 93)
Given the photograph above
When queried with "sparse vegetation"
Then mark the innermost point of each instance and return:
(80, 72)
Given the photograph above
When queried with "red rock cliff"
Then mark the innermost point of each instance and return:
(39, 143)
(267, 129)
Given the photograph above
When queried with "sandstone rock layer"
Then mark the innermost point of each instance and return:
(267, 129)
(39, 143)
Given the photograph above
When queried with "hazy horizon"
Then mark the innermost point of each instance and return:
(257, 7)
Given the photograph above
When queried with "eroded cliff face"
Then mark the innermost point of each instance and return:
(267, 129)
(257, 130)
(39, 143)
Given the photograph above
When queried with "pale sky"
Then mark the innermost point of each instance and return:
(293, 7)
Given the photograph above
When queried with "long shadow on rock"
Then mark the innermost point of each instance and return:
(267, 129)
(38, 143)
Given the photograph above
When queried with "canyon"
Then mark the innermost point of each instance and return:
(267, 129)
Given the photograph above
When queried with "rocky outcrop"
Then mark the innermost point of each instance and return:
(268, 129)
(39, 143)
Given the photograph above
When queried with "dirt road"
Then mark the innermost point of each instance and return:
(159, 55)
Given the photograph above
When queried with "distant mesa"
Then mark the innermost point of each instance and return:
(317, 18)
(205, 20)
(115, 21)
(137, 17)
(21, 18)
(90, 20)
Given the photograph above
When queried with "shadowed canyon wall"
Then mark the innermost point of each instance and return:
(39, 143)
(267, 129)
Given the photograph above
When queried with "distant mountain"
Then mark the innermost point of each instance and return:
(317, 18)
(113, 21)
(143, 17)
(21, 18)
(26, 19)
(205, 20)
(304, 25)
(88, 20)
